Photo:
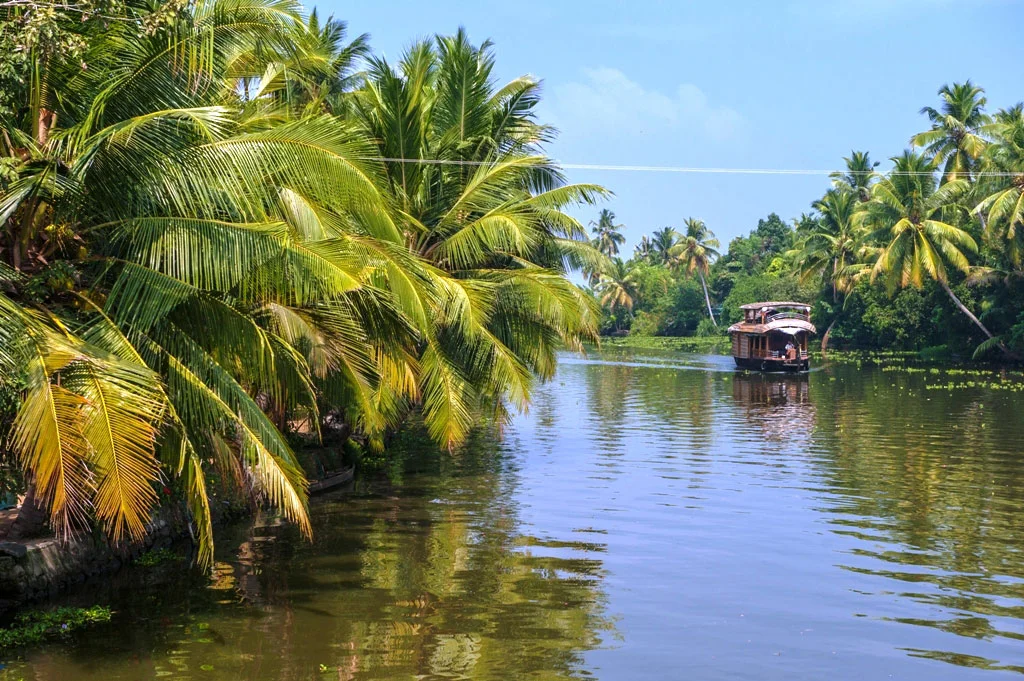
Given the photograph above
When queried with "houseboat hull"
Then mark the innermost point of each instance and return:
(773, 365)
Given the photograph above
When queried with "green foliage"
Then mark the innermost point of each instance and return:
(158, 557)
(707, 328)
(647, 323)
(708, 344)
(757, 287)
(38, 626)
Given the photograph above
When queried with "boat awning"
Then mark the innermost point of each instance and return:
(788, 326)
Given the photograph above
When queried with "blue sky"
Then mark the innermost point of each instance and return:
(769, 84)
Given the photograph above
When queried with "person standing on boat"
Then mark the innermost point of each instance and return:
(790, 354)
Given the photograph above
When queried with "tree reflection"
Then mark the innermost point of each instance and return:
(929, 485)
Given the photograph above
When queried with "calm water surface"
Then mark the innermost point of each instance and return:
(655, 516)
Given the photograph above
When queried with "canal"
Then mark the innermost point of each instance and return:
(654, 516)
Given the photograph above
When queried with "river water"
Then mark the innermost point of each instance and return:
(654, 516)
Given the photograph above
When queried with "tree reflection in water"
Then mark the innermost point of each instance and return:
(429, 577)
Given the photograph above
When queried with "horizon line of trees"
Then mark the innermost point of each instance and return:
(926, 254)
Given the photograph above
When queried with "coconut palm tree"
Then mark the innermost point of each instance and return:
(607, 237)
(955, 139)
(488, 219)
(617, 288)
(1002, 185)
(859, 176)
(694, 252)
(829, 252)
(905, 218)
(230, 264)
(149, 356)
(644, 250)
(662, 243)
(312, 69)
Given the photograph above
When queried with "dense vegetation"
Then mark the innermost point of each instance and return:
(217, 233)
(926, 255)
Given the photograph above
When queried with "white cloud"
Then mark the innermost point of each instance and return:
(608, 102)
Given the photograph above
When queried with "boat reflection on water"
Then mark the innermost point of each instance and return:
(779, 404)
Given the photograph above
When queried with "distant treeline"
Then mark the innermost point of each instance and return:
(925, 255)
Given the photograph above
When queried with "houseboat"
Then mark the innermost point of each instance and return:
(772, 337)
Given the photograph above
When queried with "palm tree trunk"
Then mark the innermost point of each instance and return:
(707, 299)
(977, 322)
(828, 333)
(32, 516)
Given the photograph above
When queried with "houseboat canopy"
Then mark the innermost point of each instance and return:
(758, 306)
(785, 317)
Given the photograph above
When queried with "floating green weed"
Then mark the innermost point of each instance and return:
(38, 626)
(158, 556)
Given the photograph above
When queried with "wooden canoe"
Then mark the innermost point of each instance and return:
(332, 480)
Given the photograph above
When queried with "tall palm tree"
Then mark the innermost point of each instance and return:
(644, 248)
(905, 216)
(488, 219)
(829, 253)
(1002, 185)
(314, 69)
(662, 243)
(955, 139)
(607, 237)
(694, 252)
(617, 288)
(859, 176)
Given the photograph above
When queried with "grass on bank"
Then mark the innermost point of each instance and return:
(700, 344)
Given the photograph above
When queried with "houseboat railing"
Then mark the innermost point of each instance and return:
(775, 354)
(786, 315)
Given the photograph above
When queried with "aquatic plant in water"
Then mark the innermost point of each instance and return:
(38, 626)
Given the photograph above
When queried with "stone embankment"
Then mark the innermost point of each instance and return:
(40, 568)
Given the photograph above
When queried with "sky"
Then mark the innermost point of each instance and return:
(781, 84)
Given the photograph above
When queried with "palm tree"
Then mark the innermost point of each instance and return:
(954, 140)
(829, 252)
(859, 175)
(694, 253)
(662, 244)
(1002, 185)
(904, 215)
(314, 71)
(606, 232)
(489, 221)
(149, 356)
(617, 288)
(644, 249)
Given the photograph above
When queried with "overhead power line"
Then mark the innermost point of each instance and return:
(682, 169)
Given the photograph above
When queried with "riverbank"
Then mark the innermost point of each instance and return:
(716, 345)
(40, 568)
(720, 345)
